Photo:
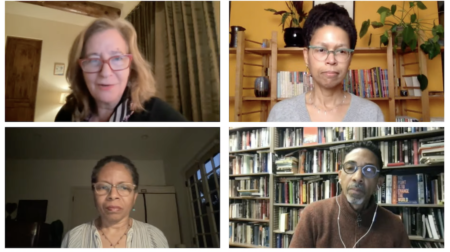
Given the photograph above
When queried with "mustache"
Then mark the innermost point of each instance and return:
(356, 186)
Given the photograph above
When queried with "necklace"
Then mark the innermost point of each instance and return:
(326, 111)
(111, 244)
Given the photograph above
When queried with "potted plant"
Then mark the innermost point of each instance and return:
(293, 36)
(408, 31)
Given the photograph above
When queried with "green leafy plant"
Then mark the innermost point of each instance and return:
(407, 31)
(295, 13)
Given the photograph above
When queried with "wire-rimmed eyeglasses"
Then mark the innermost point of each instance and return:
(321, 53)
(104, 188)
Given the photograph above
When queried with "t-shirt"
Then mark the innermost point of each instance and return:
(140, 235)
(294, 110)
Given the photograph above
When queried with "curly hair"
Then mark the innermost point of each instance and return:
(118, 159)
(141, 82)
(369, 145)
(329, 14)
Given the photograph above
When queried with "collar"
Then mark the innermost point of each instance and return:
(350, 214)
(122, 111)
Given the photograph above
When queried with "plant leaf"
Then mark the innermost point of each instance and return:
(383, 16)
(370, 39)
(364, 27)
(393, 9)
(279, 12)
(411, 4)
(408, 34)
(413, 18)
(283, 18)
(423, 80)
(436, 38)
(272, 10)
(384, 39)
(384, 9)
(421, 5)
(376, 24)
(394, 28)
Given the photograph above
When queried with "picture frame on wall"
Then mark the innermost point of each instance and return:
(348, 5)
(59, 69)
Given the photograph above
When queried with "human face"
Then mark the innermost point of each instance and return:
(106, 86)
(356, 187)
(113, 206)
(330, 72)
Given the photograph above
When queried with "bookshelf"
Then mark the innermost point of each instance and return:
(346, 137)
(269, 57)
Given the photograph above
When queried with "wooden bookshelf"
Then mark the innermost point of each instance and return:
(249, 220)
(269, 57)
(250, 150)
(305, 174)
(313, 146)
(250, 174)
(242, 245)
(415, 238)
(411, 205)
(423, 134)
(249, 197)
(290, 205)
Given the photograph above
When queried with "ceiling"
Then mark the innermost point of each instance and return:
(31, 10)
(84, 143)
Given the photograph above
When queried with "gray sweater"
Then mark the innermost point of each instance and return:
(294, 110)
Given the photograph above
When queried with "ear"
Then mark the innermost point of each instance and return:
(306, 56)
(135, 197)
(380, 181)
(339, 175)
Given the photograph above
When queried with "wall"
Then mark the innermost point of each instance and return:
(176, 162)
(259, 25)
(53, 180)
(57, 39)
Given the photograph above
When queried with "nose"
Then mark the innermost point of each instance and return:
(113, 194)
(106, 69)
(331, 59)
(358, 176)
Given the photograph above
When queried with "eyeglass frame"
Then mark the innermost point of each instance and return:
(334, 52)
(112, 186)
(362, 169)
(80, 61)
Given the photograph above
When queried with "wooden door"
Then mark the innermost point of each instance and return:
(22, 59)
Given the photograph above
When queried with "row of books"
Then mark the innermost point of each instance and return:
(250, 209)
(249, 187)
(283, 240)
(260, 162)
(305, 190)
(255, 234)
(290, 84)
(420, 188)
(412, 151)
(249, 139)
(423, 222)
(315, 161)
(291, 137)
(288, 218)
(389, 131)
(426, 244)
(367, 83)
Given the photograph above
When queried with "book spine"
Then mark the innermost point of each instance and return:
(420, 189)
(394, 189)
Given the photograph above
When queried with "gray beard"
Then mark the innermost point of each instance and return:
(353, 200)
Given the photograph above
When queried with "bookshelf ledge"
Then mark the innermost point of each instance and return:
(410, 205)
(242, 245)
(250, 220)
(249, 150)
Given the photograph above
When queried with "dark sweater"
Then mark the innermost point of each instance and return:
(318, 227)
(156, 110)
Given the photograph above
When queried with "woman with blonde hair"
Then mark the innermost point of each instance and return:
(109, 78)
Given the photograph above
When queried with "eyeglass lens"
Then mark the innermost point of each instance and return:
(116, 63)
(322, 54)
(123, 189)
(368, 170)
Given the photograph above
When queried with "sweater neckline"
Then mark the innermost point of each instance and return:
(348, 211)
(346, 114)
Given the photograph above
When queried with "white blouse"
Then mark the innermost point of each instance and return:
(140, 235)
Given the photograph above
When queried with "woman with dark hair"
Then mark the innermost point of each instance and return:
(114, 183)
(330, 39)
(110, 79)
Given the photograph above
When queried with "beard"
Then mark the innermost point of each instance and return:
(353, 197)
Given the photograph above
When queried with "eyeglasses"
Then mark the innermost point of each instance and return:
(116, 63)
(369, 171)
(321, 53)
(103, 188)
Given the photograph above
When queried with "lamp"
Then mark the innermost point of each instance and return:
(62, 99)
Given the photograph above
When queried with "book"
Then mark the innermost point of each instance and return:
(407, 190)
(310, 135)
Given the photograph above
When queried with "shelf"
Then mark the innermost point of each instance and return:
(242, 245)
(249, 98)
(245, 175)
(249, 220)
(420, 238)
(261, 51)
(250, 197)
(408, 98)
(250, 150)
(245, 128)
(313, 145)
(407, 135)
(410, 205)
(289, 205)
(378, 99)
(412, 166)
(305, 174)
(291, 50)
(290, 232)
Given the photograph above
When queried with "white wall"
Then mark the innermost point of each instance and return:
(57, 38)
(176, 161)
(53, 179)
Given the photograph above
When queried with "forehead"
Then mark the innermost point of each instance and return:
(330, 34)
(105, 42)
(361, 156)
(114, 170)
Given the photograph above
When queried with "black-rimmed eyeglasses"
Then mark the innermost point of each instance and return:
(369, 170)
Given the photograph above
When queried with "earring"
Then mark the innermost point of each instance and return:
(134, 209)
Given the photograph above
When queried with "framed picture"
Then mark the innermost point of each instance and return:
(59, 69)
(348, 5)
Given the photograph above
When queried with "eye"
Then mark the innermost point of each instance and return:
(341, 51)
(321, 50)
(119, 58)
